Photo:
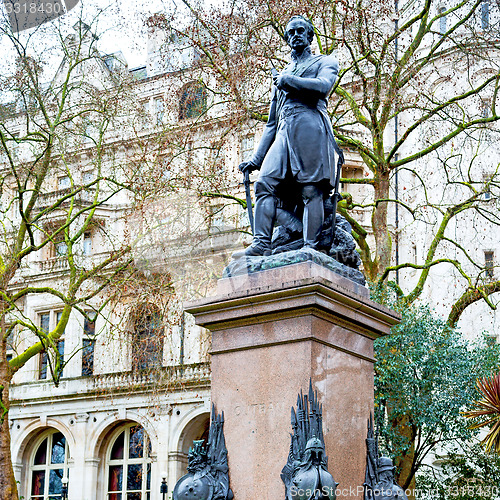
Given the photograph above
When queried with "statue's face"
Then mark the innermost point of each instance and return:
(296, 33)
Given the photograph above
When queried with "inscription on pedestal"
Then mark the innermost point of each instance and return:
(253, 409)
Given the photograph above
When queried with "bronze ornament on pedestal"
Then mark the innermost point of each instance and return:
(379, 477)
(207, 477)
(305, 474)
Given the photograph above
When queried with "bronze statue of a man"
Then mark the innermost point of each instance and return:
(296, 153)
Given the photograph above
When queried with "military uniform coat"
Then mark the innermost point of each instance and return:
(298, 138)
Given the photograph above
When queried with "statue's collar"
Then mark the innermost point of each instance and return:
(298, 58)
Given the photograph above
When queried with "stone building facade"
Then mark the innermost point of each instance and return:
(134, 391)
(124, 414)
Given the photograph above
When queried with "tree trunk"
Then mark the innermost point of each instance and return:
(8, 487)
(406, 477)
(380, 227)
(406, 481)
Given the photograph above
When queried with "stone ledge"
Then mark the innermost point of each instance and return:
(296, 290)
(252, 265)
(172, 377)
(289, 276)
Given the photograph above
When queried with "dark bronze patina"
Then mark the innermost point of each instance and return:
(379, 476)
(207, 477)
(305, 474)
(296, 158)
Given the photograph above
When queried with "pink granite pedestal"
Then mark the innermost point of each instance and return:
(272, 331)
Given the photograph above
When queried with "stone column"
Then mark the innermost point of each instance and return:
(79, 484)
(177, 462)
(18, 470)
(273, 331)
(91, 475)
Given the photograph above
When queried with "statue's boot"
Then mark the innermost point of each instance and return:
(265, 214)
(314, 215)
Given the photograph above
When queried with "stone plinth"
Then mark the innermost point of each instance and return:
(272, 331)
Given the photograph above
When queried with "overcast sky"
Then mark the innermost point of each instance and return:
(129, 15)
(133, 43)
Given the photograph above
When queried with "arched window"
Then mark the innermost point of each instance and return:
(48, 465)
(195, 430)
(147, 342)
(128, 465)
(193, 101)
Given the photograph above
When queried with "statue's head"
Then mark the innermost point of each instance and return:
(314, 450)
(385, 467)
(299, 32)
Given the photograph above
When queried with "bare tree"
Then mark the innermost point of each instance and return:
(59, 177)
(418, 86)
(415, 101)
(88, 160)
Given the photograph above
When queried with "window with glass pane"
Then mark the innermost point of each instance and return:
(247, 145)
(129, 468)
(58, 246)
(216, 218)
(10, 338)
(60, 342)
(159, 109)
(193, 101)
(88, 357)
(10, 344)
(61, 249)
(147, 344)
(88, 177)
(48, 467)
(88, 345)
(48, 321)
(42, 374)
(87, 243)
(89, 325)
(442, 21)
(63, 182)
(485, 14)
(489, 264)
(45, 322)
(60, 349)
